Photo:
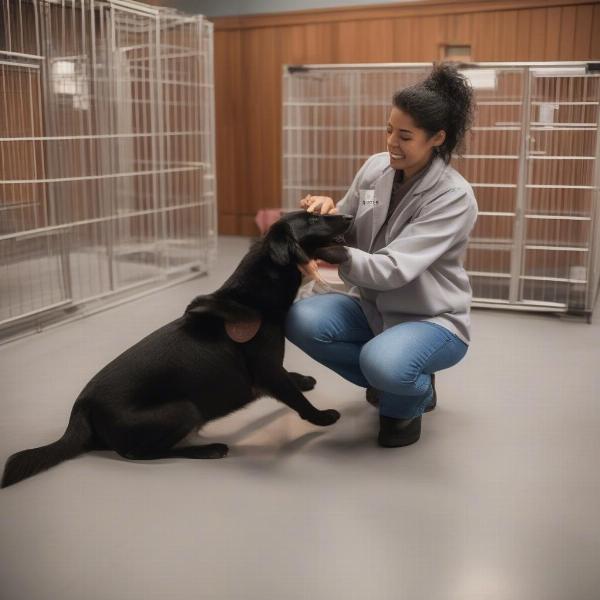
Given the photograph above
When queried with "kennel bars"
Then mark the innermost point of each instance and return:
(532, 158)
(107, 160)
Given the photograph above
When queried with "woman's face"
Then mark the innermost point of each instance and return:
(409, 146)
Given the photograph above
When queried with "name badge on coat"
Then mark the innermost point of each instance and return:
(367, 198)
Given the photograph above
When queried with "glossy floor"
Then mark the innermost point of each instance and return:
(498, 500)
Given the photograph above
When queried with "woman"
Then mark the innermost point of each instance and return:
(407, 312)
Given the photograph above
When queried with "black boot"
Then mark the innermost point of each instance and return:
(398, 432)
(371, 395)
(433, 402)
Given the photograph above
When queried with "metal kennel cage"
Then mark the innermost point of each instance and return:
(532, 157)
(107, 182)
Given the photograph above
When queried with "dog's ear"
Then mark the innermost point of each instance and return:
(241, 322)
(225, 308)
(283, 247)
(201, 306)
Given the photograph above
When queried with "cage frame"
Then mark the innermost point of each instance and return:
(171, 262)
(523, 185)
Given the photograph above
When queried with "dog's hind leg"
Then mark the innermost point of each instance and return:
(152, 433)
(303, 382)
(205, 451)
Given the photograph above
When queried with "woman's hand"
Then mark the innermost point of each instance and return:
(318, 204)
(311, 270)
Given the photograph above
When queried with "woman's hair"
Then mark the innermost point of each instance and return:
(442, 101)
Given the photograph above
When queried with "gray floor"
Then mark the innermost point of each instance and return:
(498, 501)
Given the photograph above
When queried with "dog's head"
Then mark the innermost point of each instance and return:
(296, 236)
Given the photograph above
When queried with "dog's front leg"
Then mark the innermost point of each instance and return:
(304, 383)
(282, 387)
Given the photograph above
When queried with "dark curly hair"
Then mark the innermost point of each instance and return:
(442, 101)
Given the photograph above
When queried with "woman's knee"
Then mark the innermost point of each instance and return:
(388, 372)
(325, 319)
(304, 322)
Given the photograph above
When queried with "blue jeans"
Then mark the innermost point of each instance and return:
(333, 329)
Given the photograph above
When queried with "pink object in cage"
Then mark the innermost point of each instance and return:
(265, 217)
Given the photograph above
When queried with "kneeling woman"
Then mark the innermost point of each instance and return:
(407, 312)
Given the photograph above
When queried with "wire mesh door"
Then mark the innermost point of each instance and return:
(561, 237)
(35, 269)
(106, 151)
(532, 158)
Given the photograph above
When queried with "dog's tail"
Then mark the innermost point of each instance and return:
(75, 441)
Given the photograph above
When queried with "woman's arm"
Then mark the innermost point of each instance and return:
(347, 205)
(440, 225)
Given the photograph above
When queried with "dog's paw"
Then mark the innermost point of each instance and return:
(325, 417)
(206, 451)
(303, 382)
(216, 450)
(307, 383)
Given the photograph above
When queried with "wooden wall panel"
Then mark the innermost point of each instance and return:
(537, 34)
(418, 37)
(307, 43)
(406, 40)
(482, 40)
(595, 38)
(430, 44)
(583, 31)
(261, 66)
(370, 41)
(567, 33)
(230, 119)
(459, 29)
(505, 35)
(522, 32)
(552, 32)
(250, 53)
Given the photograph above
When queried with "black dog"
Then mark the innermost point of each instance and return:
(224, 352)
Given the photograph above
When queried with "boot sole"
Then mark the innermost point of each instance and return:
(398, 443)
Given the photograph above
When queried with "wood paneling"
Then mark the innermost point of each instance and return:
(369, 41)
(250, 53)
(552, 33)
(583, 31)
(231, 116)
(595, 38)
(418, 9)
